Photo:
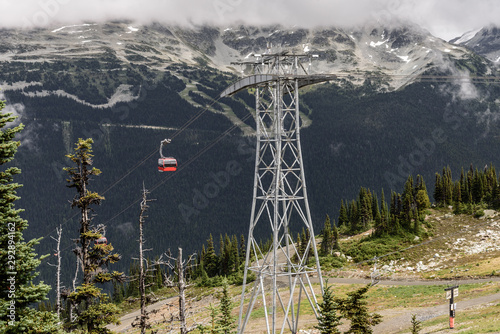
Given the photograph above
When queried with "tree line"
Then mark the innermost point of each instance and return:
(403, 213)
(474, 187)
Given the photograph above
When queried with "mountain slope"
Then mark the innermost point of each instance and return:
(485, 42)
(130, 86)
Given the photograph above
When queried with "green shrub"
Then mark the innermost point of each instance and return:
(479, 213)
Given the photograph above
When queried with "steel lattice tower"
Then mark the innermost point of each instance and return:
(279, 195)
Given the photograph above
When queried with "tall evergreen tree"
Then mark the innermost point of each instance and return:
(477, 187)
(223, 257)
(210, 258)
(407, 214)
(303, 242)
(375, 206)
(495, 201)
(94, 311)
(343, 216)
(353, 212)
(448, 185)
(18, 260)
(243, 249)
(335, 236)
(438, 191)
(384, 216)
(327, 241)
(364, 209)
(235, 253)
(463, 187)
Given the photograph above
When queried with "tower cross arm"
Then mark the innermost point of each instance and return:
(260, 79)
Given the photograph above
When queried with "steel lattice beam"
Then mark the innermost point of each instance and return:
(279, 195)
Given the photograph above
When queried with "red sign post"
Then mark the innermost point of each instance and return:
(451, 293)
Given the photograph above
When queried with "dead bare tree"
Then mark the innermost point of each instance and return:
(58, 273)
(179, 266)
(72, 313)
(182, 293)
(142, 274)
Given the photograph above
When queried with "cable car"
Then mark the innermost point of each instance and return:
(101, 241)
(166, 164)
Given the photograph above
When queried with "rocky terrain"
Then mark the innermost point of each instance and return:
(403, 51)
(485, 41)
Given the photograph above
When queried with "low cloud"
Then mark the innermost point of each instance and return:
(445, 18)
(29, 135)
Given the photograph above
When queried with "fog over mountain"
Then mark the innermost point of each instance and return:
(446, 19)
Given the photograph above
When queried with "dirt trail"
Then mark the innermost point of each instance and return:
(401, 319)
(394, 319)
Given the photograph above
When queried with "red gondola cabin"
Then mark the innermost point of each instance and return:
(167, 164)
(101, 241)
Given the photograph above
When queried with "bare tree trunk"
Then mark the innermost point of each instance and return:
(84, 242)
(58, 282)
(142, 276)
(72, 316)
(179, 268)
(58, 272)
(182, 296)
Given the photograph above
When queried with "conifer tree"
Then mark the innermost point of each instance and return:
(210, 258)
(375, 209)
(477, 187)
(94, 311)
(235, 253)
(463, 187)
(353, 213)
(416, 325)
(299, 247)
(243, 249)
(384, 216)
(133, 285)
(495, 201)
(214, 327)
(303, 242)
(343, 217)
(223, 257)
(407, 214)
(328, 320)
(326, 242)
(394, 204)
(365, 209)
(353, 307)
(226, 321)
(18, 261)
(448, 185)
(229, 254)
(457, 193)
(335, 236)
(421, 195)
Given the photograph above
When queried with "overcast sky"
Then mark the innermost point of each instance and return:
(443, 18)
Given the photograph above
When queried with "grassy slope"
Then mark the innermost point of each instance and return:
(392, 301)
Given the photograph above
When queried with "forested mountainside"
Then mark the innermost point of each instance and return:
(128, 87)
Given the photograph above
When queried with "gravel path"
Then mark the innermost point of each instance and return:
(393, 321)
(402, 320)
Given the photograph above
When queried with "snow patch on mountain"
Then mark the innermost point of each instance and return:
(123, 94)
(73, 26)
(466, 37)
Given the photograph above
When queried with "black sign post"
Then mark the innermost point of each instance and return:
(451, 293)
